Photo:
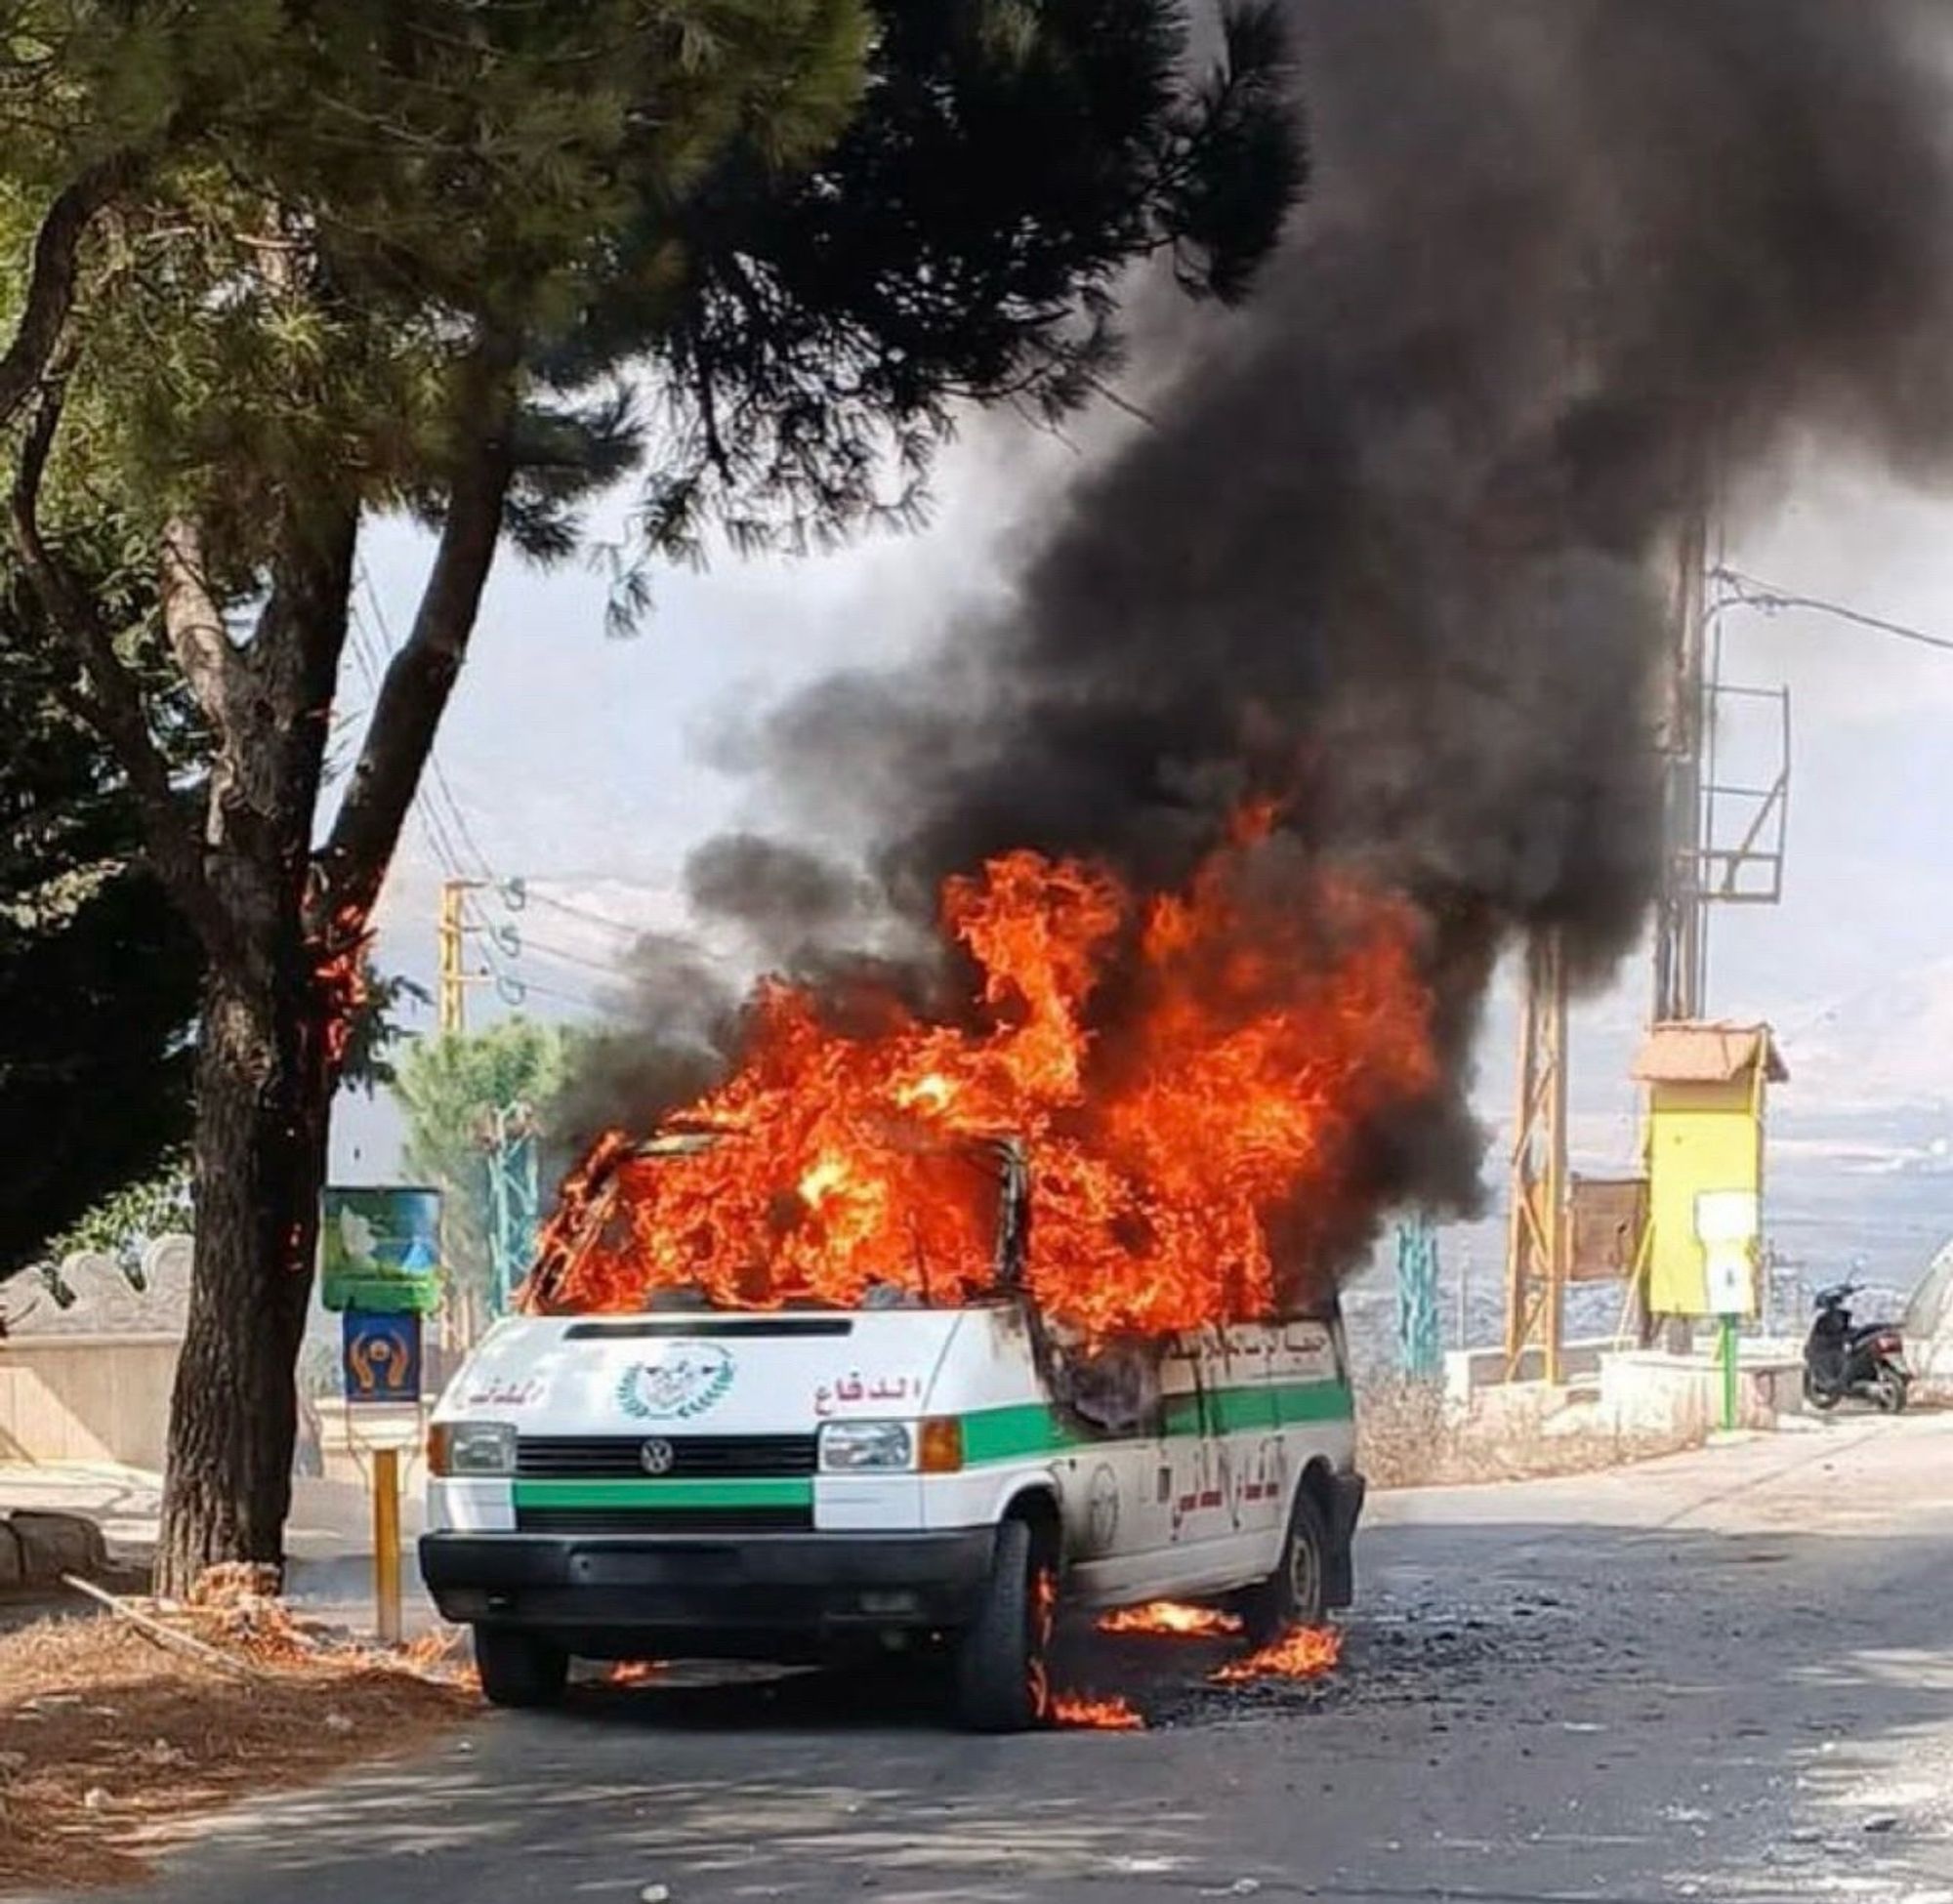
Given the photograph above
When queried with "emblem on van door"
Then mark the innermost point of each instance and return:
(656, 1457)
(686, 1378)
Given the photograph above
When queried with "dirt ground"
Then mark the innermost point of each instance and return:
(110, 1748)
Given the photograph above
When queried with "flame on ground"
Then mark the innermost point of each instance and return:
(1182, 1072)
(1079, 1712)
(634, 1671)
(1170, 1619)
(1305, 1653)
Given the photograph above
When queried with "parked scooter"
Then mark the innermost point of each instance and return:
(1840, 1358)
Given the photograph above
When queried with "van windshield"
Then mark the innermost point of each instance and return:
(720, 1220)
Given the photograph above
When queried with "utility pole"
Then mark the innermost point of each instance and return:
(453, 977)
(1722, 842)
(452, 981)
(1681, 918)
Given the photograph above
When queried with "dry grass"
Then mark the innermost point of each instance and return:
(1409, 1436)
(109, 1745)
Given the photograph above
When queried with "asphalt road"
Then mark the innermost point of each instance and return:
(1723, 1677)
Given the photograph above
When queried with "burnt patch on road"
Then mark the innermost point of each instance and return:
(1443, 1654)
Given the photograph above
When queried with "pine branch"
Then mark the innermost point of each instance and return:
(51, 283)
(111, 701)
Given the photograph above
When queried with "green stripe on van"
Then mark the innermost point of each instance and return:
(991, 1434)
(652, 1494)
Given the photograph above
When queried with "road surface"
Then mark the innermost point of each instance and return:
(1723, 1676)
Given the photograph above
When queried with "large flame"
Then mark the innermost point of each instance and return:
(1179, 1073)
(1303, 1653)
(1170, 1619)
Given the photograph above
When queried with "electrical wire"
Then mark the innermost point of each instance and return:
(1749, 593)
(457, 816)
(529, 988)
(561, 955)
(621, 926)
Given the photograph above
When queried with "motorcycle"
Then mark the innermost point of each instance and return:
(1841, 1358)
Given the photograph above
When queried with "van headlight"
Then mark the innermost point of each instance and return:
(459, 1449)
(854, 1447)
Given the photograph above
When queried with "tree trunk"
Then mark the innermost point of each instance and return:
(264, 1092)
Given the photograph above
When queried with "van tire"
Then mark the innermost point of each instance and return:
(1003, 1675)
(518, 1670)
(1296, 1592)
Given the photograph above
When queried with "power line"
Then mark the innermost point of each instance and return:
(618, 925)
(560, 955)
(532, 990)
(459, 815)
(434, 829)
(525, 987)
(454, 821)
(1750, 593)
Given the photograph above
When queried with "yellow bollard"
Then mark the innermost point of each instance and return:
(386, 1543)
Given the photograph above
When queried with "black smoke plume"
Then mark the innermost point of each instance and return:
(1399, 542)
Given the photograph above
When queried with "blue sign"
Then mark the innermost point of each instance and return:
(380, 1356)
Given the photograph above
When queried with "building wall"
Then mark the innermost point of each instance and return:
(86, 1397)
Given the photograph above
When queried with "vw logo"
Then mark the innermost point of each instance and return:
(656, 1457)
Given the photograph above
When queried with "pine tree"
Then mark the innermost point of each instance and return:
(277, 268)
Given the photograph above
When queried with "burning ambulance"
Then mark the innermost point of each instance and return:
(931, 1474)
(916, 1330)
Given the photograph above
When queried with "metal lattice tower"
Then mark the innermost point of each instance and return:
(1537, 1220)
(1420, 1338)
(513, 1203)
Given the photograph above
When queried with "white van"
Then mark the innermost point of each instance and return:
(786, 1484)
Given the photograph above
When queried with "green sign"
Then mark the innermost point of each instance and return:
(380, 1250)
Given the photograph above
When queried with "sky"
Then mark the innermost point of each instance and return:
(584, 766)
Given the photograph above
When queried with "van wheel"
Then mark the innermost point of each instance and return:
(1296, 1593)
(517, 1669)
(1003, 1679)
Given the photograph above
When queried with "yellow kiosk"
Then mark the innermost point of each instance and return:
(1701, 1255)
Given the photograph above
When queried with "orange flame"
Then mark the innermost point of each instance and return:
(1180, 1073)
(634, 1671)
(1079, 1712)
(1170, 1619)
(1305, 1653)
(341, 977)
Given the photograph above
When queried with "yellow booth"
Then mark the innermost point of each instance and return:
(1706, 1087)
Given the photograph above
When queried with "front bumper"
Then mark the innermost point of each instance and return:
(761, 1595)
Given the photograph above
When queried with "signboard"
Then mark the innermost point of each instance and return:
(1609, 1217)
(380, 1359)
(1727, 1223)
(380, 1250)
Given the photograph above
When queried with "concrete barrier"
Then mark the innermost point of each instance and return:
(1649, 1389)
(1470, 1371)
